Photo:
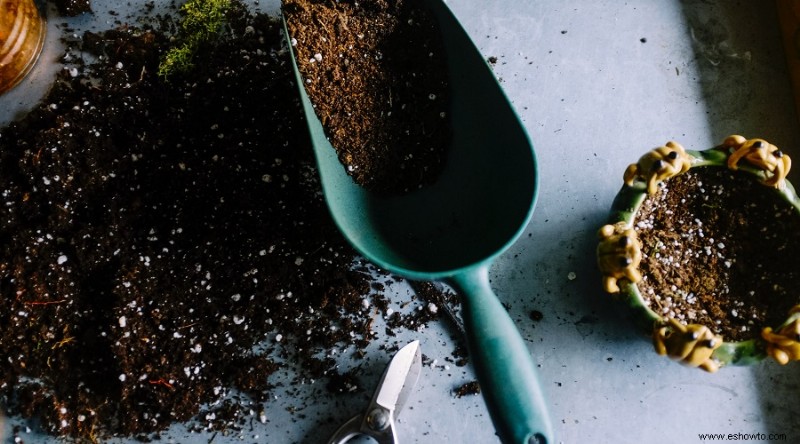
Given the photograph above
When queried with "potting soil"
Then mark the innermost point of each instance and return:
(719, 250)
(162, 239)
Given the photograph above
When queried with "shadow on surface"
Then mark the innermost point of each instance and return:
(743, 76)
(581, 308)
(744, 81)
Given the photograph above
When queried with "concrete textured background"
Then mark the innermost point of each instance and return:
(596, 83)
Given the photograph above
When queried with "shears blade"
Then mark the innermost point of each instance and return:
(400, 378)
(395, 387)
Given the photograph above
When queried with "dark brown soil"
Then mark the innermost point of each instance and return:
(720, 249)
(469, 388)
(154, 234)
(375, 71)
(70, 8)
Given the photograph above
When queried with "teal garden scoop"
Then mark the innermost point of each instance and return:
(454, 229)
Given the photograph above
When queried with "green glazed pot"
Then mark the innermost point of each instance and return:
(619, 253)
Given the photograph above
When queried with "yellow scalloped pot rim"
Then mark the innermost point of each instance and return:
(624, 209)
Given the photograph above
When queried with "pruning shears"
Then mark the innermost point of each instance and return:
(394, 389)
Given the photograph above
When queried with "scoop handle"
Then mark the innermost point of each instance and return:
(506, 373)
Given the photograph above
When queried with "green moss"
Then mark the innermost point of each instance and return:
(203, 20)
(177, 59)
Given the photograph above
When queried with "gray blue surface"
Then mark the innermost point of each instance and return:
(596, 83)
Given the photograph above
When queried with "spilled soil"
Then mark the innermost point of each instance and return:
(161, 239)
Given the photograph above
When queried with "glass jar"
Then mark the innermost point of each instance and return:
(22, 31)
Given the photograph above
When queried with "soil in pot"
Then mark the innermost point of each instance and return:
(375, 72)
(719, 249)
(153, 233)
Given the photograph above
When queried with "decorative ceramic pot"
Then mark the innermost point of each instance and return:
(700, 244)
(22, 32)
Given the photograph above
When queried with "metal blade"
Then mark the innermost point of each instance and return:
(400, 378)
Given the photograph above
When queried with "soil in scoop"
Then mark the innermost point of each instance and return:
(720, 249)
(375, 72)
(159, 241)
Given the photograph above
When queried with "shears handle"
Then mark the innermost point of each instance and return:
(357, 425)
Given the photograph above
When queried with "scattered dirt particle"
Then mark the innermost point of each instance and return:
(469, 388)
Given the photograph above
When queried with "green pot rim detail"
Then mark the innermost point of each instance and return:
(624, 208)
